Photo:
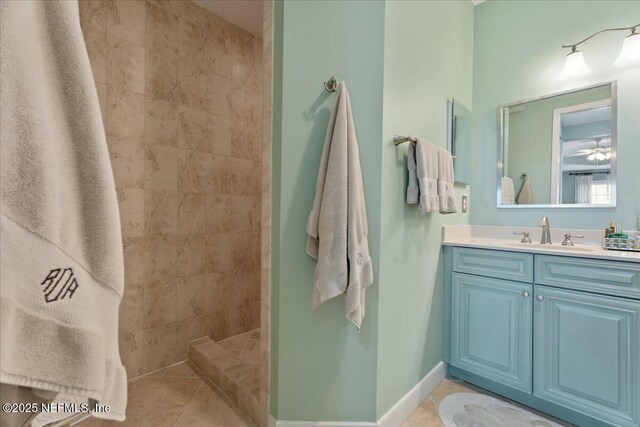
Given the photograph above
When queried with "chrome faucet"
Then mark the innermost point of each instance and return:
(545, 239)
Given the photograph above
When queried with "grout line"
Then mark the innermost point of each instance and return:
(432, 401)
(158, 370)
(184, 409)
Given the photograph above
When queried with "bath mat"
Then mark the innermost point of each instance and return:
(478, 410)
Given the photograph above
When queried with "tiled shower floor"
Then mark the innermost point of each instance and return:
(177, 396)
(225, 394)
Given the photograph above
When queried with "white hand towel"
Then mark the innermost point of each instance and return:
(507, 191)
(427, 171)
(526, 192)
(446, 190)
(62, 270)
(337, 225)
(413, 191)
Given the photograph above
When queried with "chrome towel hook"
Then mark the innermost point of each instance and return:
(331, 85)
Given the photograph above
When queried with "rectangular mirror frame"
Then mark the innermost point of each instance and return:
(504, 133)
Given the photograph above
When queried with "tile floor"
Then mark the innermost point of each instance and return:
(427, 413)
(177, 396)
(181, 396)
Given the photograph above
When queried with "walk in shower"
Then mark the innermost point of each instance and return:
(181, 96)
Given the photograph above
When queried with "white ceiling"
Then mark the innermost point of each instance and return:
(246, 14)
(586, 116)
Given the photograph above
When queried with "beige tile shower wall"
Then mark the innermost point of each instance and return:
(180, 91)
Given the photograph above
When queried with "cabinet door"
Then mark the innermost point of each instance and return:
(587, 351)
(491, 329)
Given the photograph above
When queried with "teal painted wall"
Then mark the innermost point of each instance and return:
(323, 369)
(517, 56)
(401, 61)
(428, 59)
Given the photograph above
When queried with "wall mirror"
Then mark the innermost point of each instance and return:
(559, 150)
(459, 139)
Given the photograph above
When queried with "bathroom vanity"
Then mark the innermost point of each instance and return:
(554, 328)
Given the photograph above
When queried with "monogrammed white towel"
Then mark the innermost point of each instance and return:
(62, 271)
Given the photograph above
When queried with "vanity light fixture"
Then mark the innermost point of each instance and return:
(630, 52)
(575, 66)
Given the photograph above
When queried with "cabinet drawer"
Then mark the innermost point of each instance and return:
(613, 278)
(500, 264)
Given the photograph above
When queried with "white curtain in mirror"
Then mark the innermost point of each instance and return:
(583, 189)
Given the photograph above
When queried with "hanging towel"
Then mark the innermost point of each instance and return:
(413, 191)
(337, 225)
(507, 191)
(427, 171)
(526, 193)
(61, 269)
(446, 190)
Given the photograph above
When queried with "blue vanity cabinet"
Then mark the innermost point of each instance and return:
(557, 333)
(586, 354)
(491, 329)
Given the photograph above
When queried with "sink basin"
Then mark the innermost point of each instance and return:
(554, 247)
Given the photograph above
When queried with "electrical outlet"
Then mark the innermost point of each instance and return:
(464, 204)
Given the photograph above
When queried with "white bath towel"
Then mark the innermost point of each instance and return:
(413, 191)
(507, 191)
(446, 190)
(337, 225)
(526, 192)
(427, 171)
(62, 272)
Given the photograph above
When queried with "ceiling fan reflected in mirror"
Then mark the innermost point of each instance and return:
(596, 153)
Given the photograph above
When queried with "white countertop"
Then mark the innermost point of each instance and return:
(502, 238)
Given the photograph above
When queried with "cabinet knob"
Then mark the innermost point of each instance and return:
(539, 297)
(525, 294)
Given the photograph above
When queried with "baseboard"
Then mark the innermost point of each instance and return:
(394, 417)
(404, 407)
(325, 424)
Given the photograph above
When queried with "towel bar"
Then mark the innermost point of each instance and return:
(397, 140)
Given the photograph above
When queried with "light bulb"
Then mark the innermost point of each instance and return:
(600, 156)
(607, 156)
(630, 52)
(574, 66)
(591, 157)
